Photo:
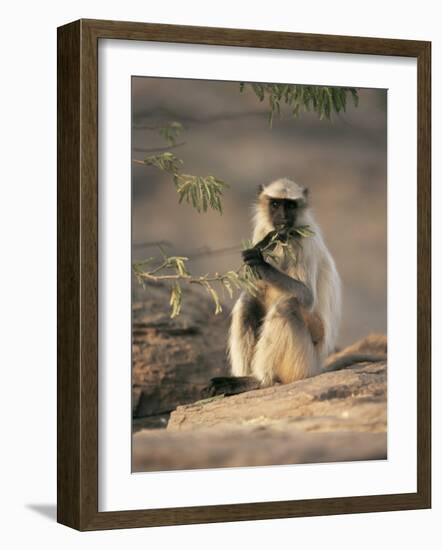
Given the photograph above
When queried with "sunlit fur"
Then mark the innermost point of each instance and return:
(282, 349)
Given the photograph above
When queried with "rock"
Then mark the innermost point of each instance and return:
(154, 421)
(173, 359)
(350, 399)
(336, 416)
(375, 344)
(162, 450)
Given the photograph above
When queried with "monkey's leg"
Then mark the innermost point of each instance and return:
(285, 351)
(315, 326)
(247, 316)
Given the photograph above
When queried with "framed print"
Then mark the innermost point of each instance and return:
(242, 216)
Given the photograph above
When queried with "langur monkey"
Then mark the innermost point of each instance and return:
(286, 331)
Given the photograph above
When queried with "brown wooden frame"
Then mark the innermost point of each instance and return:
(77, 222)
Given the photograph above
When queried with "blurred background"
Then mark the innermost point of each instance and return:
(226, 134)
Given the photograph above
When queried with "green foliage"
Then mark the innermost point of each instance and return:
(201, 192)
(285, 242)
(240, 280)
(283, 237)
(245, 278)
(174, 269)
(166, 161)
(171, 131)
(175, 300)
(277, 245)
(323, 100)
(214, 296)
(178, 263)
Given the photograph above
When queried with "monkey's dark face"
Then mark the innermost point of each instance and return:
(283, 212)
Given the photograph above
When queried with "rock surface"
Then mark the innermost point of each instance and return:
(336, 416)
(160, 450)
(173, 358)
(353, 399)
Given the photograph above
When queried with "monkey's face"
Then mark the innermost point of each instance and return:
(283, 212)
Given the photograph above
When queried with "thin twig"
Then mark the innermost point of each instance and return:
(159, 149)
(190, 120)
(187, 278)
(148, 244)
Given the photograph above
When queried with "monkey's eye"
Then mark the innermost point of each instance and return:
(274, 204)
(292, 205)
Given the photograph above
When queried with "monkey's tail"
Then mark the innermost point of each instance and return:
(334, 363)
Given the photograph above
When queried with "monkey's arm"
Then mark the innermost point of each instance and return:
(271, 275)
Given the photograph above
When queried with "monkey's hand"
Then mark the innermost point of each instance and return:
(271, 275)
(253, 257)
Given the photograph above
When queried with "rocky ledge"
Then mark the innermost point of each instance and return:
(336, 416)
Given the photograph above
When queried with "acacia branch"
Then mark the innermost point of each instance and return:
(244, 278)
(323, 100)
(202, 192)
(202, 280)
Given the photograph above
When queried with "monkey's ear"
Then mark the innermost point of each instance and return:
(305, 193)
(260, 189)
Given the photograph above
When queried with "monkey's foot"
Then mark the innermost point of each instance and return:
(230, 385)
